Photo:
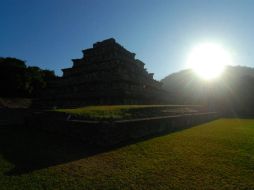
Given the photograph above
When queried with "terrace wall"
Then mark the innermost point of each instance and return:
(110, 133)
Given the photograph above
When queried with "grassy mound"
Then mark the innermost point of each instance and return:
(118, 112)
(216, 155)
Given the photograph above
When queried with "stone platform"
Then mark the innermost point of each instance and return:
(108, 133)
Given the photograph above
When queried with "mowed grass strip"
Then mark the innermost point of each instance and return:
(215, 155)
(117, 112)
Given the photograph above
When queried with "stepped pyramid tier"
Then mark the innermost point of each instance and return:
(106, 74)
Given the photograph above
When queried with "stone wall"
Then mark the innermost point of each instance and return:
(111, 133)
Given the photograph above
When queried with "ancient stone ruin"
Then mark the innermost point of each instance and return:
(106, 74)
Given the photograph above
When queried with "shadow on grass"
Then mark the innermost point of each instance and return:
(31, 149)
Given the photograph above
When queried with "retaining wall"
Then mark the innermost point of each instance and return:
(109, 133)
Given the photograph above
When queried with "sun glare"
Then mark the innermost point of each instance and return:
(208, 60)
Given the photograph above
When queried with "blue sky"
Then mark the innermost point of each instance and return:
(50, 33)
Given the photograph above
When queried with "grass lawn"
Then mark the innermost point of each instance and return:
(118, 112)
(215, 155)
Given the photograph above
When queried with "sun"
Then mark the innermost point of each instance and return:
(208, 60)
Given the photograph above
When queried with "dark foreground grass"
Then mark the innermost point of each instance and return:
(216, 155)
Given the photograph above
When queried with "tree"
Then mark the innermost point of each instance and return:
(18, 80)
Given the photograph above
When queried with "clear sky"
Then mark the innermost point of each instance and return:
(50, 33)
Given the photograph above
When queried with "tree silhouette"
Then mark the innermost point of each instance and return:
(18, 80)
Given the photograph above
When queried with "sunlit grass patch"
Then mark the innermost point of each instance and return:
(128, 111)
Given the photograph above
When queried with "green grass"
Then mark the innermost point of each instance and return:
(118, 112)
(215, 155)
(100, 112)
